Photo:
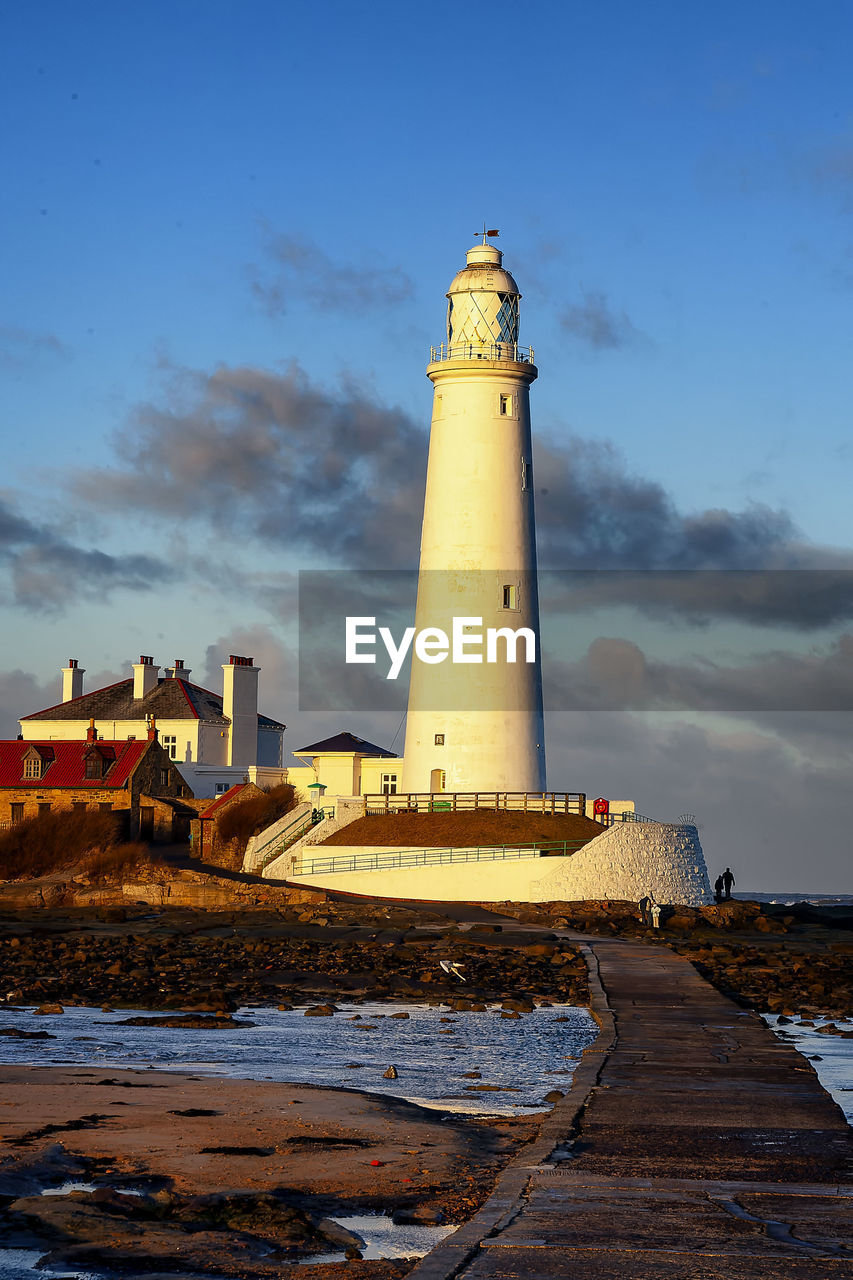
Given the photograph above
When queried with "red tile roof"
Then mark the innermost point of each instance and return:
(68, 767)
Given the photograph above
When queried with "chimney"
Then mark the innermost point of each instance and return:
(152, 729)
(240, 705)
(144, 676)
(91, 732)
(178, 671)
(72, 680)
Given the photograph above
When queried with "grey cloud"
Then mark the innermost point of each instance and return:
(20, 694)
(18, 347)
(46, 571)
(759, 801)
(593, 513)
(278, 458)
(299, 266)
(615, 673)
(596, 323)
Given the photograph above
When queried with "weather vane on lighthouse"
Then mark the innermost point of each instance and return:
(485, 233)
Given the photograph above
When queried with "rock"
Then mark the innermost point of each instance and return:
(390, 1074)
(47, 1009)
(399, 1015)
(284, 1008)
(17, 1034)
(193, 1021)
(510, 1013)
(519, 1005)
(554, 1095)
(320, 1011)
(421, 1215)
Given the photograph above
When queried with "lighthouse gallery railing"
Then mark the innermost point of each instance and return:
(488, 351)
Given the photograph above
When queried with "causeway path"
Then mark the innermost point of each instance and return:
(693, 1145)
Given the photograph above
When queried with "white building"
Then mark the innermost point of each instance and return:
(214, 739)
(477, 725)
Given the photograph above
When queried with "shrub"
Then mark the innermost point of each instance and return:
(53, 842)
(245, 818)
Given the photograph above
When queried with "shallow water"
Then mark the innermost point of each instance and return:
(831, 1057)
(22, 1264)
(527, 1057)
(385, 1239)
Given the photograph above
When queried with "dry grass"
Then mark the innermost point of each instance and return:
(465, 827)
(245, 818)
(54, 842)
(119, 861)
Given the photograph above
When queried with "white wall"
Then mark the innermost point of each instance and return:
(626, 861)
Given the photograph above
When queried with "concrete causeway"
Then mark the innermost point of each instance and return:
(693, 1145)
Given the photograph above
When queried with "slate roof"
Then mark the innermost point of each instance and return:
(169, 700)
(345, 742)
(67, 767)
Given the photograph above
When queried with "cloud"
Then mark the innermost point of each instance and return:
(277, 458)
(615, 673)
(20, 694)
(46, 571)
(278, 462)
(19, 347)
(300, 267)
(597, 324)
(779, 818)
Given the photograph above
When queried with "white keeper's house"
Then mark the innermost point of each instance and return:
(215, 739)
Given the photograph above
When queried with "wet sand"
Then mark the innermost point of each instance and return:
(312, 1148)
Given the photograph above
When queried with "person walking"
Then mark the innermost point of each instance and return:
(728, 880)
(718, 889)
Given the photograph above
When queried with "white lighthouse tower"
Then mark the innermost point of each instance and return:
(476, 724)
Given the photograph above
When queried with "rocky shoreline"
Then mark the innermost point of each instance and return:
(241, 1178)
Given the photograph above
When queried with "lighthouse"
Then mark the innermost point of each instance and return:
(475, 719)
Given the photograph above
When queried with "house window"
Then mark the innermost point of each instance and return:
(95, 765)
(32, 767)
(170, 745)
(78, 806)
(44, 807)
(221, 788)
(165, 774)
(510, 596)
(389, 784)
(17, 812)
(105, 807)
(439, 739)
(506, 406)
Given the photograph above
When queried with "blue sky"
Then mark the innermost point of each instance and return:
(226, 232)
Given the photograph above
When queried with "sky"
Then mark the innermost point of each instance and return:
(226, 232)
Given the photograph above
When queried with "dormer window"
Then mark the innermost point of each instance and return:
(97, 762)
(36, 762)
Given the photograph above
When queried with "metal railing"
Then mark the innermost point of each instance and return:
(292, 835)
(455, 801)
(488, 351)
(385, 860)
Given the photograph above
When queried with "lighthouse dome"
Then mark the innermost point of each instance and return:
(483, 299)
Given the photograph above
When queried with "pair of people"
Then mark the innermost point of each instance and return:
(649, 911)
(723, 886)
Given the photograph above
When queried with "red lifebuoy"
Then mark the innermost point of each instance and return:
(601, 805)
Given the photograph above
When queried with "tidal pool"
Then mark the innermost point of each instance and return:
(432, 1050)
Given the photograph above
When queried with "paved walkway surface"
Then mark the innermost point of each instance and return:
(694, 1145)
